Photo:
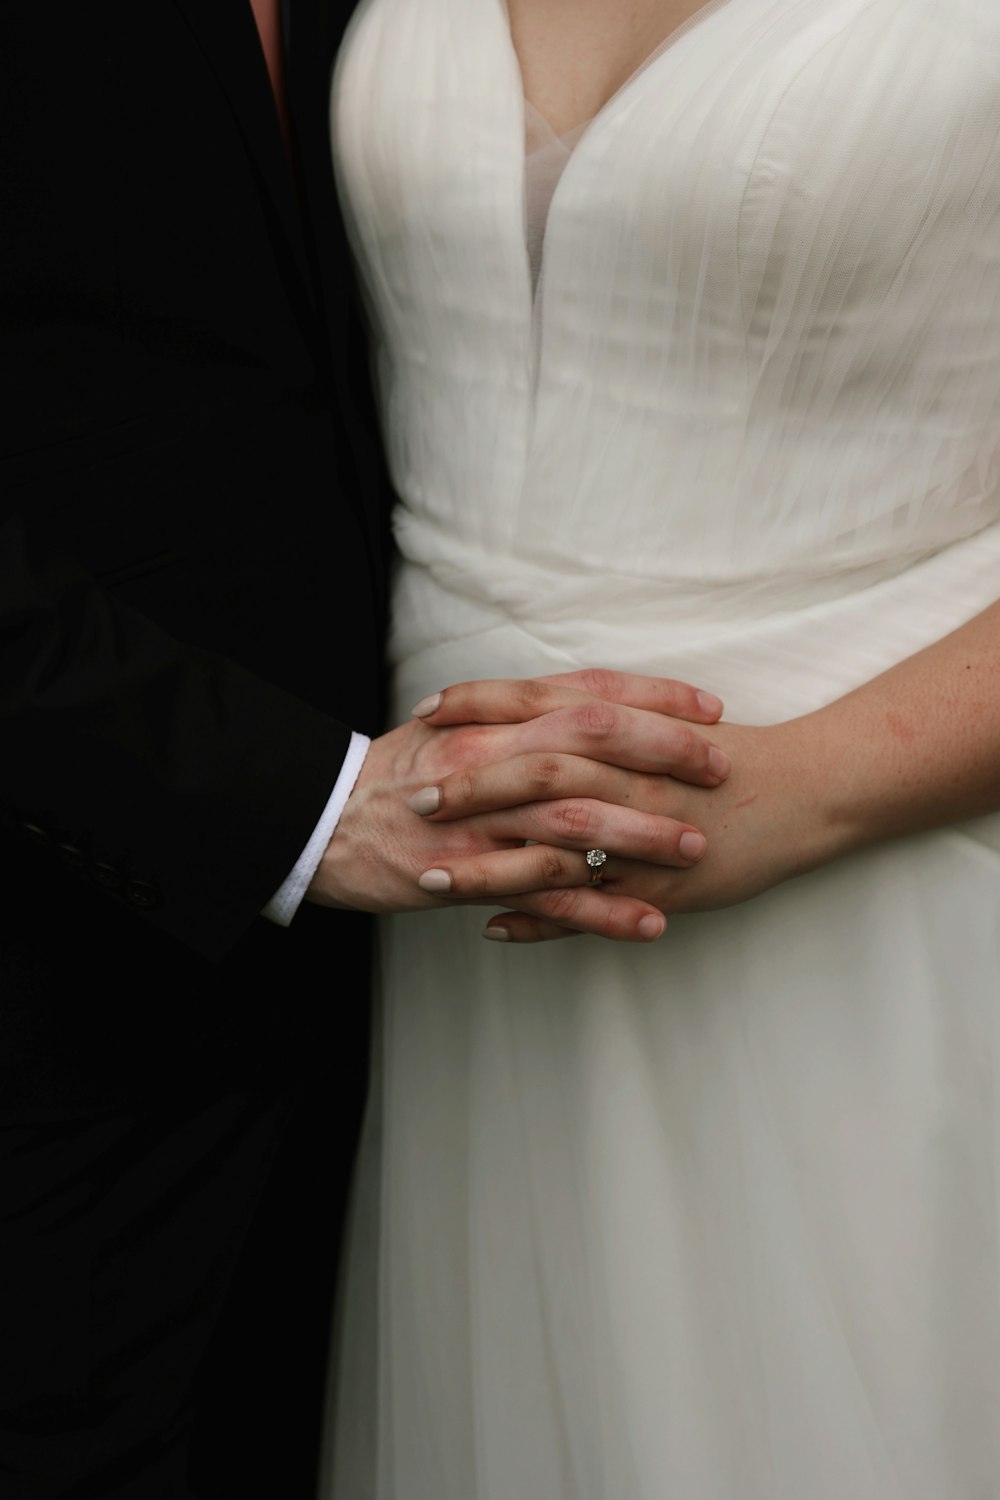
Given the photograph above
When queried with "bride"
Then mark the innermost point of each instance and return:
(705, 381)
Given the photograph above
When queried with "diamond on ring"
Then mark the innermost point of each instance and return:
(596, 859)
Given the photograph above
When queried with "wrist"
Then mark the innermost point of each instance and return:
(856, 783)
(822, 786)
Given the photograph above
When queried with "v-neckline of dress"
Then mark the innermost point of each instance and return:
(535, 285)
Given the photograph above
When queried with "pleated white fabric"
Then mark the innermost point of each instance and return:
(717, 1219)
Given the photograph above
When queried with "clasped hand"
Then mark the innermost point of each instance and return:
(514, 780)
(493, 795)
(765, 822)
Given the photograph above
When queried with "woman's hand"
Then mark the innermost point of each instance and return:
(916, 748)
(765, 823)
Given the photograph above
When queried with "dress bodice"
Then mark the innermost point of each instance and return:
(761, 377)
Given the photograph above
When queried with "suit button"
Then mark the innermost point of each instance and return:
(71, 856)
(37, 834)
(144, 895)
(108, 877)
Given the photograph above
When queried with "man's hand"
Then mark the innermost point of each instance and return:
(636, 726)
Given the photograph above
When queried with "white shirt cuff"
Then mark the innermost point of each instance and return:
(288, 897)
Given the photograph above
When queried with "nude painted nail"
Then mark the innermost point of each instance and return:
(692, 845)
(496, 934)
(426, 706)
(710, 704)
(651, 928)
(427, 800)
(718, 763)
(438, 881)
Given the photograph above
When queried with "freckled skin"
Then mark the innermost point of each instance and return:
(900, 728)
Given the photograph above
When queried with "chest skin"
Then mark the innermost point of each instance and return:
(575, 54)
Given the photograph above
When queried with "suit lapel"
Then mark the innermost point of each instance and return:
(227, 33)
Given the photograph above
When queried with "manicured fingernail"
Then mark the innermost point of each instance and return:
(650, 928)
(427, 800)
(496, 934)
(719, 764)
(692, 845)
(437, 881)
(426, 706)
(710, 704)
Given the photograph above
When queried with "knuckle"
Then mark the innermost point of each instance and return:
(599, 681)
(597, 721)
(573, 819)
(544, 773)
(564, 905)
(532, 696)
(550, 866)
(460, 789)
(471, 879)
(599, 917)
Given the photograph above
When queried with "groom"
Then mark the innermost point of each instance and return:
(192, 551)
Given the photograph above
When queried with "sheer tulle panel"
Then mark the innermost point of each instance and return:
(545, 157)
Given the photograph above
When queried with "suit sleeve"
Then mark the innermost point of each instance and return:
(169, 776)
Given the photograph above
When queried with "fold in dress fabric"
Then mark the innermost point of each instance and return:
(715, 1219)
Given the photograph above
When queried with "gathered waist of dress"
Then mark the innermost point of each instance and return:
(542, 592)
(771, 646)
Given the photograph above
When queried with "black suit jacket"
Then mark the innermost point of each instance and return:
(192, 545)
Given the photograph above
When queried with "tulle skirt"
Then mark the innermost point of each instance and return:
(715, 1219)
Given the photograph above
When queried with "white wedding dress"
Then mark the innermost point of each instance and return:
(719, 1218)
